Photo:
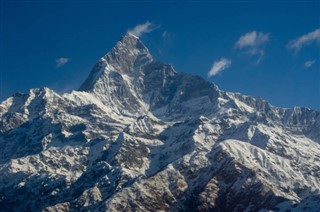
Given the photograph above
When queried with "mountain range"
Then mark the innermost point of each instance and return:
(139, 136)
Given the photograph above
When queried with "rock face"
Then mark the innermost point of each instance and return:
(138, 136)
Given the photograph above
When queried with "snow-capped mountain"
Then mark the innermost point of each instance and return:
(138, 136)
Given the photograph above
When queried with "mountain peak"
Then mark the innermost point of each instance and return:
(130, 35)
(130, 45)
(126, 57)
(142, 130)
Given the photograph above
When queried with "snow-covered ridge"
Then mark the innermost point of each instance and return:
(138, 135)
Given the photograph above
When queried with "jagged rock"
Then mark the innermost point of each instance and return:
(138, 136)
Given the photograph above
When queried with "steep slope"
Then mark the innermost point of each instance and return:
(139, 136)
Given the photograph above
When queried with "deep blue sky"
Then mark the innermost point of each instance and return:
(36, 33)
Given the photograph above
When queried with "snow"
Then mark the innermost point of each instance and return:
(138, 135)
(276, 170)
(5, 105)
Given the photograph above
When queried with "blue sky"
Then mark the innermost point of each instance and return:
(269, 49)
